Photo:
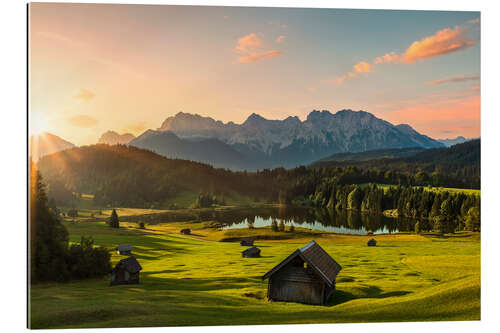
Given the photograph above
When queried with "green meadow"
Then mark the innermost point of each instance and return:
(195, 280)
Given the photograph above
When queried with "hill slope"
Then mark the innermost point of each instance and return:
(211, 151)
(461, 162)
(130, 176)
(47, 143)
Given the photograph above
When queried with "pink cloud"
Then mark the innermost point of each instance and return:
(280, 39)
(458, 78)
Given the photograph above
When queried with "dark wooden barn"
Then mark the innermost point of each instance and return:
(372, 242)
(126, 271)
(253, 252)
(186, 231)
(306, 276)
(247, 242)
(124, 249)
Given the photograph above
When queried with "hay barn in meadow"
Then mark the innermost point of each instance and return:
(247, 242)
(186, 231)
(306, 276)
(124, 249)
(372, 242)
(126, 271)
(253, 252)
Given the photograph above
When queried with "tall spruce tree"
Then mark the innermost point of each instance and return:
(113, 220)
(48, 237)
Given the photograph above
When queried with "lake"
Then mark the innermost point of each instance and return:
(343, 221)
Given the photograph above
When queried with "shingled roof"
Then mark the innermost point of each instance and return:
(130, 264)
(317, 258)
(124, 247)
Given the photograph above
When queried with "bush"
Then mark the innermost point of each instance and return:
(73, 213)
(292, 228)
(87, 261)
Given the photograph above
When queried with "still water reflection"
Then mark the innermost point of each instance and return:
(344, 222)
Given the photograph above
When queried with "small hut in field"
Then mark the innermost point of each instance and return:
(372, 242)
(124, 249)
(126, 272)
(307, 276)
(253, 252)
(247, 242)
(186, 231)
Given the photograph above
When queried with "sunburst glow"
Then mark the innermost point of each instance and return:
(38, 123)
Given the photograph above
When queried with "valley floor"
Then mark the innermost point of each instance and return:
(187, 280)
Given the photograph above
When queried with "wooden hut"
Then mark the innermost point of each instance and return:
(247, 242)
(126, 271)
(253, 252)
(186, 231)
(372, 242)
(306, 276)
(124, 249)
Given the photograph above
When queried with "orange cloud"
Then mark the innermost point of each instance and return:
(83, 121)
(474, 21)
(442, 42)
(458, 78)
(136, 128)
(84, 94)
(280, 39)
(247, 43)
(341, 79)
(362, 67)
(391, 57)
(250, 49)
(257, 56)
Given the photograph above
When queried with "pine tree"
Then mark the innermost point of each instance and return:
(113, 220)
(48, 237)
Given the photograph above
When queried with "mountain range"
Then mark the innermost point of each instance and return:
(262, 143)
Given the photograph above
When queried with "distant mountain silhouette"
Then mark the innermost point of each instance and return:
(211, 151)
(451, 142)
(45, 144)
(113, 138)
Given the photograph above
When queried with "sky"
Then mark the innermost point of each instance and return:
(126, 68)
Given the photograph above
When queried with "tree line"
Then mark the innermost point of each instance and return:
(52, 258)
(441, 211)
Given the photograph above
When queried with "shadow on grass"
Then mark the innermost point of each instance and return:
(341, 296)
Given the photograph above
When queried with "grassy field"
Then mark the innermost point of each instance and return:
(191, 280)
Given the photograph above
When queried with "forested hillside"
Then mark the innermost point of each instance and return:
(457, 166)
(133, 177)
(129, 176)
